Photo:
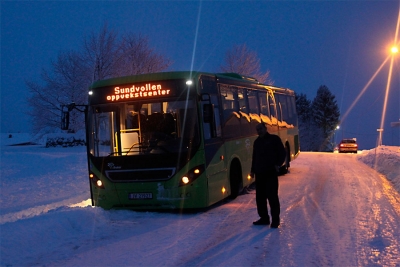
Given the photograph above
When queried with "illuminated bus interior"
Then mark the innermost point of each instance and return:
(121, 129)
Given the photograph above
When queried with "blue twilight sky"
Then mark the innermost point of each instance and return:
(304, 44)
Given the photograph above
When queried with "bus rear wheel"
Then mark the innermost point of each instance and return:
(285, 168)
(235, 179)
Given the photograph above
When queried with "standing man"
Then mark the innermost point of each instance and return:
(268, 155)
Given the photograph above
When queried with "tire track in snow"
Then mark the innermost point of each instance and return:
(41, 209)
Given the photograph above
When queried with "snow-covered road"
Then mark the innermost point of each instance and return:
(335, 211)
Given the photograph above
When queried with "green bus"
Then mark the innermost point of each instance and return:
(180, 140)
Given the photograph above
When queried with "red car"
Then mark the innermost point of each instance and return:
(348, 145)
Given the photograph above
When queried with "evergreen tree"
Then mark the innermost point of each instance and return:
(309, 133)
(303, 107)
(325, 116)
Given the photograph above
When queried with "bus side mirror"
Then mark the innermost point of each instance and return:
(64, 120)
(208, 113)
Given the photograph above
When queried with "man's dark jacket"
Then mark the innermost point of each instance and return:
(268, 152)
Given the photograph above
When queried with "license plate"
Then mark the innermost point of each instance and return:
(140, 196)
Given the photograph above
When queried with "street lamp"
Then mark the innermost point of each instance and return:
(380, 130)
(394, 50)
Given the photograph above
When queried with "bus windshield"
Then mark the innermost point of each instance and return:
(145, 127)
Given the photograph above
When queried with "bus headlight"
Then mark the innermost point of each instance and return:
(96, 181)
(191, 175)
(99, 183)
(185, 180)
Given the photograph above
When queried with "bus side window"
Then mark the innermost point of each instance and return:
(264, 112)
(254, 109)
(242, 100)
(229, 99)
(288, 105)
(232, 117)
(262, 98)
(246, 126)
(272, 109)
(290, 109)
(253, 103)
(285, 108)
(279, 111)
(293, 116)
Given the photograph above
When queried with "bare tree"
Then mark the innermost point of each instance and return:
(243, 61)
(139, 58)
(100, 54)
(62, 85)
(103, 55)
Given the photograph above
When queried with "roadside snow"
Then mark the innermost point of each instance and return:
(385, 160)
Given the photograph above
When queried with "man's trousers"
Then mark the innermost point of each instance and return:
(267, 192)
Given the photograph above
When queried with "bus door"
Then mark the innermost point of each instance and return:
(213, 146)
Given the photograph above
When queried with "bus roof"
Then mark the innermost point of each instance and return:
(245, 80)
(148, 77)
(174, 75)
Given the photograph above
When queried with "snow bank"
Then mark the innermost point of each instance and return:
(61, 139)
(385, 160)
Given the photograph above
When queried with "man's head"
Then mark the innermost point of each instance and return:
(261, 129)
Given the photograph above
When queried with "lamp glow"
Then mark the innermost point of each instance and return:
(394, 50)
(185, 179)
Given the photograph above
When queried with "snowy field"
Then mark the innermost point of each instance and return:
(336, 210)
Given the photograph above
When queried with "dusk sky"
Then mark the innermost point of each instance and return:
(304, 44)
